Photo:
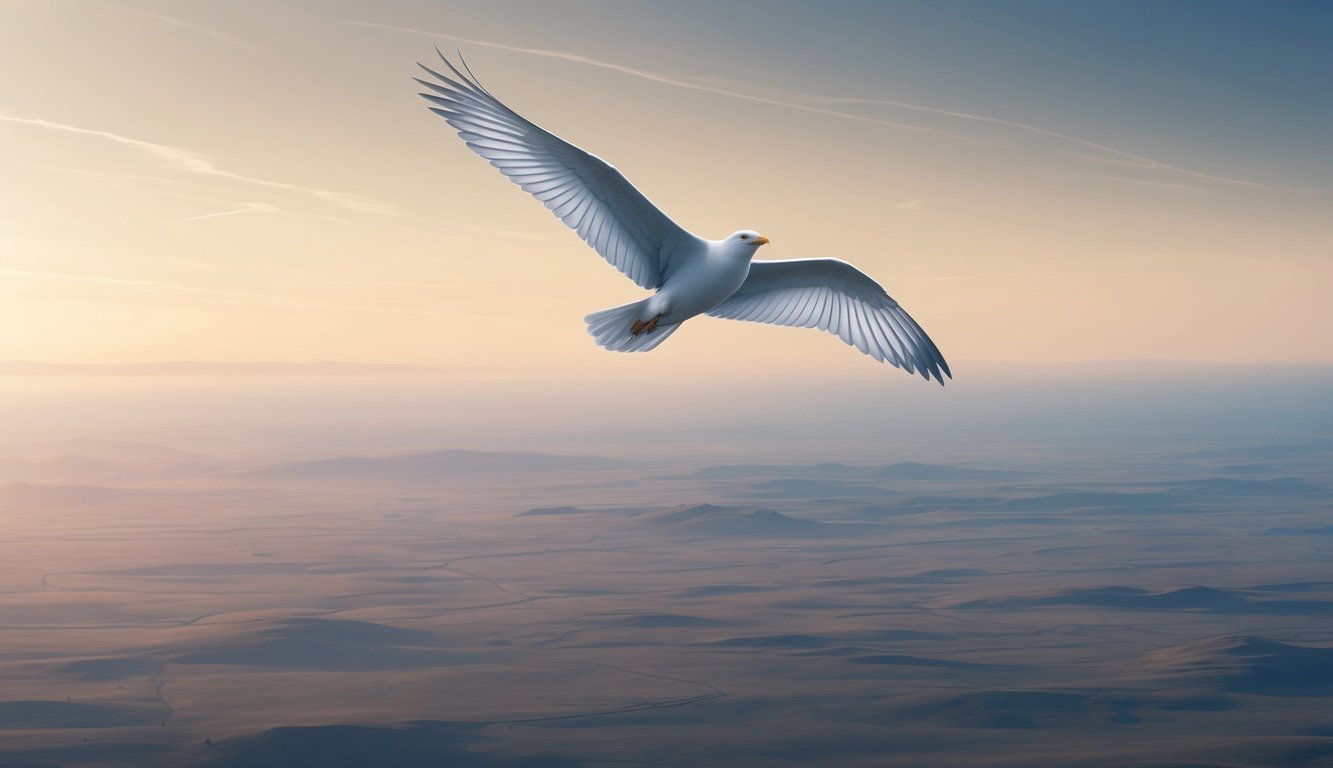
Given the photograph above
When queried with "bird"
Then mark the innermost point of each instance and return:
(688, 274)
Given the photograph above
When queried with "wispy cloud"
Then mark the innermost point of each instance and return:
(254, 208)
(417, 284)
(191, 263)
(909, 205)
(194, 162)
(209, 32)
(118, 180)
(1114, 153)
(259, 208)
(1129, 180)
(1126, 162)
(221, 294)
(653, 76)
(993, 275)
(1120, 156)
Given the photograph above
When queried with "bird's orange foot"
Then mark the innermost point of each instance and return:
(642, 327)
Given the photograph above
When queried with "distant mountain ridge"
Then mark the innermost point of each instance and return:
(713, 520)
(200, 368)
(22, 494)
(116, 452)
(449, 462)
(904, 470)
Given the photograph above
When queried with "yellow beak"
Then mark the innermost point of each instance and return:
(761, 240)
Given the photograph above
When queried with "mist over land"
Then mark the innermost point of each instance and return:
(1098, 566)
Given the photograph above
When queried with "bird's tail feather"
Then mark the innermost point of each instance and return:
(613, 329)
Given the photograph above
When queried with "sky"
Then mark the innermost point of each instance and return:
(1036, 182)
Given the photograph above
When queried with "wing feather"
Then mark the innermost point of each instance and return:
(793, 309)
(821, 315)
(581, 189)
(867, 339)
(889, 337)
(834, 296)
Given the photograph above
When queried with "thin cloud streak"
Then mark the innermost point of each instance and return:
(414, 284)
(1112, 160)
(1128, 180)
(102, 178)
(292, 301)
(652, 76)
(260, 208)
(988, 275)
(1139, 160)
(245, 206)
(193, 162)
(215, 34)
(222, 214)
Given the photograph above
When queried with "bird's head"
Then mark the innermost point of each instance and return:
(745, 241)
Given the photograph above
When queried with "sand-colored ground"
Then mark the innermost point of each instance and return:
(477, 609)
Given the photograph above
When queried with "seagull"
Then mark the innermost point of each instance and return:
(689, 275)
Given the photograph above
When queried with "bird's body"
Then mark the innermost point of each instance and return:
(705, 274)
(689, 275)
(706, 278)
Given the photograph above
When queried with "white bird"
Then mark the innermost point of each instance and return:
(691, 275)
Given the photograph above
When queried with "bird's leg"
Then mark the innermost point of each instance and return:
(642, 327)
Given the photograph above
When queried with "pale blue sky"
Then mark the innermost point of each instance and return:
(1034, 181)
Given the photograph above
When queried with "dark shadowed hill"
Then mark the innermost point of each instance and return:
(1020, 709)
(543, 511)
(330, 644)
(805, 488)
(1227, 487)
(114, 668)
(1186, 598)
(711, 520)
(1247, 664)
(350, 746)
(75, 714)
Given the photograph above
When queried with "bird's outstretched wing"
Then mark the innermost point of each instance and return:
(834, 296)
(581, 189)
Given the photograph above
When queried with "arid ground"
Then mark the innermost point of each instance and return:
(1121, 585)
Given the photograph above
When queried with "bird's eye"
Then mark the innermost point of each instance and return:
(745, 237)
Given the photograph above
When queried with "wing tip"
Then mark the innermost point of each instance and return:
(940, 378)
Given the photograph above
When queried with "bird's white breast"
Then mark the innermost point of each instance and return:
(704, 281)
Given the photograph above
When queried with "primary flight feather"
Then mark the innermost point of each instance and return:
(689, 274)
